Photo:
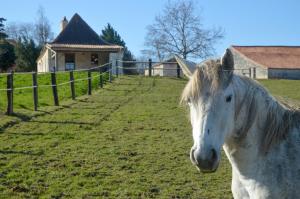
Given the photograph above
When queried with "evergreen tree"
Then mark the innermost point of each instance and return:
(110, 35)
(7, 55)
(27, 53)
(3, 35)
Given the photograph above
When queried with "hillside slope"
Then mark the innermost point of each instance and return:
(128, 140)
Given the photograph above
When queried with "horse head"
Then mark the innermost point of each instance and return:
(210, 97)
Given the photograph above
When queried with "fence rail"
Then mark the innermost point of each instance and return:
(53, 84)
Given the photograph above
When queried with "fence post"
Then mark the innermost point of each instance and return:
(72, 85)
(150, 67)
(35, 90)
(101, 80)
(110, 72)
(54, 88)
(250, 72)
(117, 69)
(178, 70)
(89, 82)
(10, 97)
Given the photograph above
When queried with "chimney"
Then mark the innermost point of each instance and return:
(63, 24)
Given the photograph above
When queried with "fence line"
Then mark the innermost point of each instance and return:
(10, 84)
(147, 66)
(46, 73)
(50, 85)
(145, 62)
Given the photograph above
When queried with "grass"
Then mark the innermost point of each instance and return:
(23, 99)
(283, 88)
(128, 140)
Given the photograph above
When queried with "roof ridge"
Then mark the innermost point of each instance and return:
(91, 29)
(77, 31)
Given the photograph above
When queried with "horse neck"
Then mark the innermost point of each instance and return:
(253, 103)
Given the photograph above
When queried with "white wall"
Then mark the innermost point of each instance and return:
(112, 59)
(43, 62)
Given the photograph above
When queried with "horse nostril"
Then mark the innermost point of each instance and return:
(213, 154)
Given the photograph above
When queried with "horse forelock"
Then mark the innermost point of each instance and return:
(210, 75)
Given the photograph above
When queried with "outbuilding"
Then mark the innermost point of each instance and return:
(267, 62)
(77, 46)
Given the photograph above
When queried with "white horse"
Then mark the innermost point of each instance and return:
(260, 136)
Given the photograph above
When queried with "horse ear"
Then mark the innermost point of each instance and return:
(227, 60)
(187, 67)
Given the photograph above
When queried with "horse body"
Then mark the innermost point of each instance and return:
(275, 175)
(260, 136)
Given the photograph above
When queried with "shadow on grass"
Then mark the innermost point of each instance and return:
(27, 134)
(22, 117)
(62, 122)
(124, 84)
(126, 90)
(7, 152)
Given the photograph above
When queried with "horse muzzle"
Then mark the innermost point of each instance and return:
(205, 163)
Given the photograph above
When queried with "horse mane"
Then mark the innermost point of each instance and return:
(280, 118)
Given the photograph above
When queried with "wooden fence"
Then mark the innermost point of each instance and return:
(10, 84)
(148, 66)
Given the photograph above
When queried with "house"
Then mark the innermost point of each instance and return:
(169, 68)
(267, 62)
(77, 46)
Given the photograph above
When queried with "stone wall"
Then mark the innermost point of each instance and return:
(284, 73)
(82, 60)
(47, 62)
(243, 64)
(170, 70)
(60, 61)
(164, 69)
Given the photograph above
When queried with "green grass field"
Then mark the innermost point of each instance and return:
(128, 140)
(285, 89)
(23, 99)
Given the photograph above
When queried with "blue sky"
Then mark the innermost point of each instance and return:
(246, 22)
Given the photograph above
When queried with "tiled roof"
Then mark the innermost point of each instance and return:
(286, 57)
(78, 31)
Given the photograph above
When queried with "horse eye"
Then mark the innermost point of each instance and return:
(228, 98)
(188, 100)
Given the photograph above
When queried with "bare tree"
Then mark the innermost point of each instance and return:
(43, 32)
(179, 31)
(16, 31)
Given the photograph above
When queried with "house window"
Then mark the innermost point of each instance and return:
(70, 61)
(94, 59)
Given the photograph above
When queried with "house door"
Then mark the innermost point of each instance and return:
(69, 61)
